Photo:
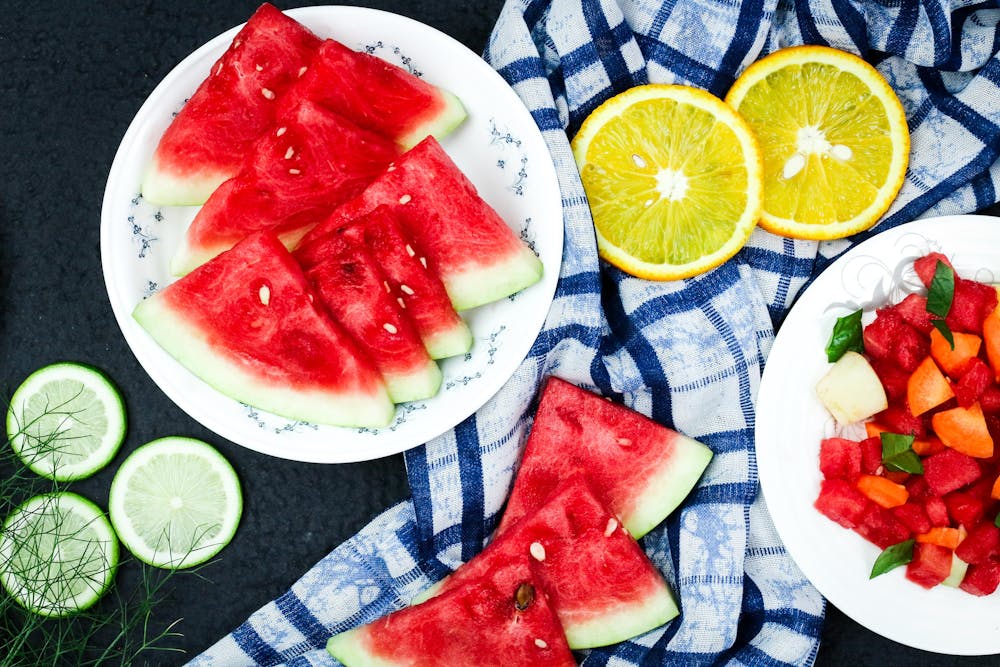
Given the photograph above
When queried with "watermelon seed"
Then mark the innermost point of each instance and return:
(290, 153)
(265, 294)
(537, 551)
(390, 328)
(541, 643)
(259, 68)
(294, 172)
(281, 131)
(409, 250)
(406, 289)
(612, 526)
(302, 70)
(218, 68)
(405, 199)
(267, 93)
(624, 442)
(524, 596)
(391, 167)
(385, 284)
(423, 260)
(399, 300)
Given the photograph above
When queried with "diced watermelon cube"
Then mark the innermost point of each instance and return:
(916, 486)
(989, 401)
(949, 470)
(842, 502)
(926, 266)
(871, 455)
(897, 418)
(972, 302)
(931, 564)
(890, 338)
(893, 378)
(840, 458)
(881, 527)
(976, 378)
(937, 511)
(913, 310)
(982, 579)
(964, 508)
(913, 516)
(982, 543)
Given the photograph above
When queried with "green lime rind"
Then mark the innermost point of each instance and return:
(66, 421)
(58, 554)
(175, 502)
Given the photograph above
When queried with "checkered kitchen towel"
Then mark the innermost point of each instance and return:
(689, 353)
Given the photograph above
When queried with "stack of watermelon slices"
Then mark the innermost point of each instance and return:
(566, 573)
(390, 237)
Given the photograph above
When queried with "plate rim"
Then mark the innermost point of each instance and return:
(549, 194)
(858, 608)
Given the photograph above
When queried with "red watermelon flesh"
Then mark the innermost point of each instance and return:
(417, 289)
(501, 617)
(601, 585)
(312, 161)
(456, 233)
(640, 470)
(352, 287)
(378, 95)
(205, 143)
(246, 323)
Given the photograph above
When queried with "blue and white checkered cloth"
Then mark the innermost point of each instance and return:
(689, 353)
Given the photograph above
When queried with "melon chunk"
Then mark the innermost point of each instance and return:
(205, 143)
(453, 230)
(640, 470)
(246, 323)
(501, 617)
(601, 585)
(851, 390)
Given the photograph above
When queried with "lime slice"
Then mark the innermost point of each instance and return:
(58, 554)
(175, 502)
(66, 421)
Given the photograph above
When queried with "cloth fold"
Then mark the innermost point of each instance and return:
(687, 353)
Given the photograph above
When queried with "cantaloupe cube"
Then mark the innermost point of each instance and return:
(851, 390)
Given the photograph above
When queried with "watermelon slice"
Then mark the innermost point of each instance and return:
(246, 323)
(354, 290)
(294, 176)
(640, 469)
(378, 95)
(455, 232)
(419, 291)
(599, 582)
(205, 143)
(501, 616)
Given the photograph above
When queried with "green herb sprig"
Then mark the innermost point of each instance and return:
(940, 295)
(845, 337)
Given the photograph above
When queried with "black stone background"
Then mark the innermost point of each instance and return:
(72, 75)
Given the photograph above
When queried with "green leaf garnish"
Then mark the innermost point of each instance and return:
(898, 454)
(892, 557)
(941, 291)
(996, 521)
(846, 337)
(945, 331)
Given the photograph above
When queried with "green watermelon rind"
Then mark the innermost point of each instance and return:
(162, 188)
(449, 342)
(443, 123)
(348, 647)
(665, 489)
(478, 286)
(613, 627)
(416, 385)
(187, 344)
(187, 258)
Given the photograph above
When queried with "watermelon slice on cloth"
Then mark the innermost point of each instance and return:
(205, 143)
(312, 161)
(418, 290)
(640, 470)
(457, 234)
(501, 617)
(600, 583)
(246, 323)
(352, 287)
(377, 95)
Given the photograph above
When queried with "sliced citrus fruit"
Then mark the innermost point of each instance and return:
(58, 554)
(175, 502)
(66, 421)
(834, 139)
(672, 175)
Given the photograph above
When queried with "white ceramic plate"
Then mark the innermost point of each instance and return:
(499, 148)
(791, 422)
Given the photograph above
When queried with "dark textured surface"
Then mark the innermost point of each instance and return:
(74, 75)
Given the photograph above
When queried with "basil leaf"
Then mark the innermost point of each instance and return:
(846, 337)
(996, 521)
(893, 557)
(898, 454)
(941, 291)
(945, 331)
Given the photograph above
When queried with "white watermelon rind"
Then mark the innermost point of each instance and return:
(188, 345)
(416, 385)
(479, 285)
(450, 117)
(349, 648)
(665, 489)
(161, 187)
(615, 626)
(450, 342)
